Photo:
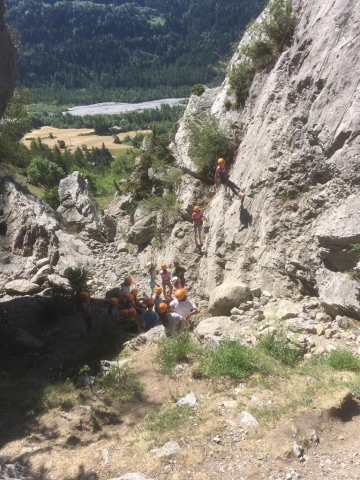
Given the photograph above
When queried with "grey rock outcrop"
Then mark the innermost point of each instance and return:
(7, 62)
(229, 294)
(143, 229)
(79, 210)
(339, 293)
(21, 287)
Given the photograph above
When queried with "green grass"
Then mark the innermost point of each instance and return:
(175, 349)
(167, 419)
(121, 384)
(61, 394)
(342, 359)
(277, 347)
(232, 360)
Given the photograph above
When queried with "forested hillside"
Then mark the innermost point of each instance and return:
(75, 51)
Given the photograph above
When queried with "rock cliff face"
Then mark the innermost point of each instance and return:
(7, 63)
(299, 159)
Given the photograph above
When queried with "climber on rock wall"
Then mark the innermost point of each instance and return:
(197, 218)
(222, 178)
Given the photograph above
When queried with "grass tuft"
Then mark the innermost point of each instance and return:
(276, 347)
(175, 349)
(61, 394)
(121, 384)
(230, 359)
(342, 359)
(168, 419)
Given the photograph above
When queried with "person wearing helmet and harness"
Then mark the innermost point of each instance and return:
(197, 218)
(125, 287)
(173, 322)
(181, 305)
(166, 279)
(222, 178)
(157, 297)
(148, 316)
(86, 310)
(114, 310)
(152, 276)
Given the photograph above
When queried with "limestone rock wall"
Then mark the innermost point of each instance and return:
(299, 159)
(7, 63)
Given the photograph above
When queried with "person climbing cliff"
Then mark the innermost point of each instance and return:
(197, 218)
(222, 178)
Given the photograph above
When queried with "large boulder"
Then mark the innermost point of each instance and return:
(143, 230)
(337, 231)
(217, 326)
(339, 293)
(282, 310)
(228, 295)
(21, 287)
(7, 62)
(80, 211)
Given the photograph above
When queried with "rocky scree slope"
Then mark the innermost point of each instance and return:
(298, 230)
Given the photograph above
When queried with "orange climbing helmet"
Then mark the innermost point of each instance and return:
(163, 266)
(158, 290)
(84, 294)
(196, 208)
(114, 301)
(128, 281)
(134, 292)
(180, 294)
(221, 162)
(131, 313)
(162, 307)
(150, 301)
(129, 297)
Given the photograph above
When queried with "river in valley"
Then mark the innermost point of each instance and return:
(111, 108)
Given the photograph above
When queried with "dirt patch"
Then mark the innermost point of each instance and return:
(76, 137)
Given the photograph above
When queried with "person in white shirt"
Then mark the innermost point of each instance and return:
(173, 322)
(181, 305)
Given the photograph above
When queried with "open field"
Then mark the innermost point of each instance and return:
(76, 137)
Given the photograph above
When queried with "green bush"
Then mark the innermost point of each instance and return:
(78, 278)
(175, 349)
(230, 359)
(276, 347)
(198, 90)
(209, 141)
(266, 41)
(43, 172)
(240, 78)
(51, 196)
(342, 359)
(61, 394)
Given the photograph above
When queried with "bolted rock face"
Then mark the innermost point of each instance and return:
(7, 62)
(80, 210)
(229, 294)
(339, 293)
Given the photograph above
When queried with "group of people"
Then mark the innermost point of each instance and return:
(168, 303)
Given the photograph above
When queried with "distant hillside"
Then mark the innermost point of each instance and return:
(163, 46)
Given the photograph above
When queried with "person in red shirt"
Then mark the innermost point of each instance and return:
(197, 218)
